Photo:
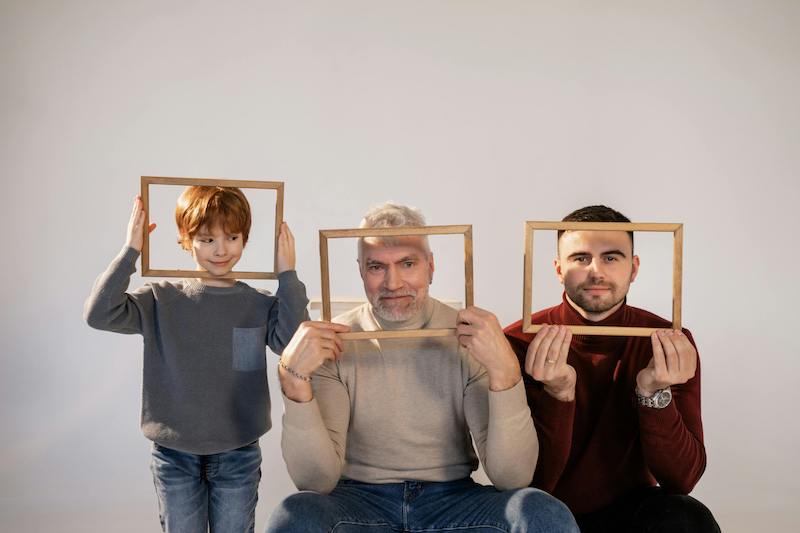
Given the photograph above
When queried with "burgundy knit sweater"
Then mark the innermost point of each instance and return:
(602, 444)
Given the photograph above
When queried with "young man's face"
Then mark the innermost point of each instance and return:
(396, 278)
(596, 269)
(217, 252)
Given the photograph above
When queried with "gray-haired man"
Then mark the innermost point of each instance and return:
(382, 441)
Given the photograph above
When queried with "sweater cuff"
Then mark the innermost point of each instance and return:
(288, 277)
(128, 254)
(508, 402)
(656, 421)
(301, 415)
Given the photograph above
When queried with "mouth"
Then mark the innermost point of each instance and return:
(597, 289)
(220, 263)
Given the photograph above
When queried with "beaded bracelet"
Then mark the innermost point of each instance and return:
(294, 372)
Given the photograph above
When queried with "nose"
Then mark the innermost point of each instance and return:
(393, 281)
(596, 268)
(221, 248)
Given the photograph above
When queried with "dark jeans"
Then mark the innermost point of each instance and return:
(650, 510)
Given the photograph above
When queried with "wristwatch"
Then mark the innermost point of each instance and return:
(659, 400)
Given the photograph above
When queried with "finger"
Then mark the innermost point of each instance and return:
(544, 348)
(565, 344)
(659, 361)
(530, 356)
(465, 329)
(151, 228)
(289, 234)
(554, 351)
(338, 328)
(330, 346)
(671, 353)
(687, 354)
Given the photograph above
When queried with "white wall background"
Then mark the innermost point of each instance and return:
(487, 113)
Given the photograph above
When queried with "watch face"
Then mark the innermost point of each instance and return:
(662, 398)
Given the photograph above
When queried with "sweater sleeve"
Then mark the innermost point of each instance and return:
(288, 313)
(109, 307)
(501, 426)
(553, 420)
(672, 438)
(314, 435)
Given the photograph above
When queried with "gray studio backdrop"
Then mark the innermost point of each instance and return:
(487, 113)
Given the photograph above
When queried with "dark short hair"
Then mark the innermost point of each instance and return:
(596, 213)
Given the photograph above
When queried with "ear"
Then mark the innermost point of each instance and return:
(634, 267)
(431, 266)
(557, 265)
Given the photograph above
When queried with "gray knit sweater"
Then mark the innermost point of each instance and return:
(204, 386)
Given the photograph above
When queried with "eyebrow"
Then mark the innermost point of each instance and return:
(401, 260)
(609, 252)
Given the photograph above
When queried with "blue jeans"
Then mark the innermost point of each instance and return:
(198, 491)
(416, 506)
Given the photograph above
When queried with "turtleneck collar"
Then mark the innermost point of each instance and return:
(571, 317)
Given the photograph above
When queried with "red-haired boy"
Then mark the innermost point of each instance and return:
(205, 401)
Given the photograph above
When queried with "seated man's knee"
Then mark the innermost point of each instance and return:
(678, 513)
(296, 511)
(543, 512)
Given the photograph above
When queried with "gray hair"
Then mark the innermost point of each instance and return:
(390, 215)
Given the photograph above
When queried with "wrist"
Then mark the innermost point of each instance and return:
(503, 378)
(562, 390)
(294, 387)
(562, 394)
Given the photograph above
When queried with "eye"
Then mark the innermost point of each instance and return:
(233, 237)
(374, 268)
(408, 264)
(611, 258)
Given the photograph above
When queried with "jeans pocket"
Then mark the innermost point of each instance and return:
(249, 348)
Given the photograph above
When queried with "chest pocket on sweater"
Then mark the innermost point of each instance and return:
(249, 348)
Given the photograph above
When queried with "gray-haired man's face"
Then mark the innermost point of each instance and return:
(396, 277)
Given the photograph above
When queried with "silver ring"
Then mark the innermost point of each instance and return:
(550, 361)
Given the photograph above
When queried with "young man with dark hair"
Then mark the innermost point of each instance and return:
(618, 418)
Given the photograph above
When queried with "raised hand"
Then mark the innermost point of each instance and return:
(312, 344)
(286, 251)
(674, 361)
(480, 333)
(135, 236)
(546, 362)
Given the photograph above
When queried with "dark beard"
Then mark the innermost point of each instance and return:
(591, 305)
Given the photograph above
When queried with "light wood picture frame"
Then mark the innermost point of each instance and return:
(677, 272)
(324, 235)
(147, 181)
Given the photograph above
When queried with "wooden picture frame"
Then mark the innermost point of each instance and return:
(324, 235)
(677, 272)
(146, 181)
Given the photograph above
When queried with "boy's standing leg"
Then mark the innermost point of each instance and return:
(197, 491)
(181, 490)
(233, 479)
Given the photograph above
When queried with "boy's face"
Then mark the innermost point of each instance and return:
(217, 252)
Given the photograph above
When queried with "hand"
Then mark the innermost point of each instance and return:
(286, 253)
(480, 333)
(136, 226)
(674, 361)
(546, 362)
(312, 344)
